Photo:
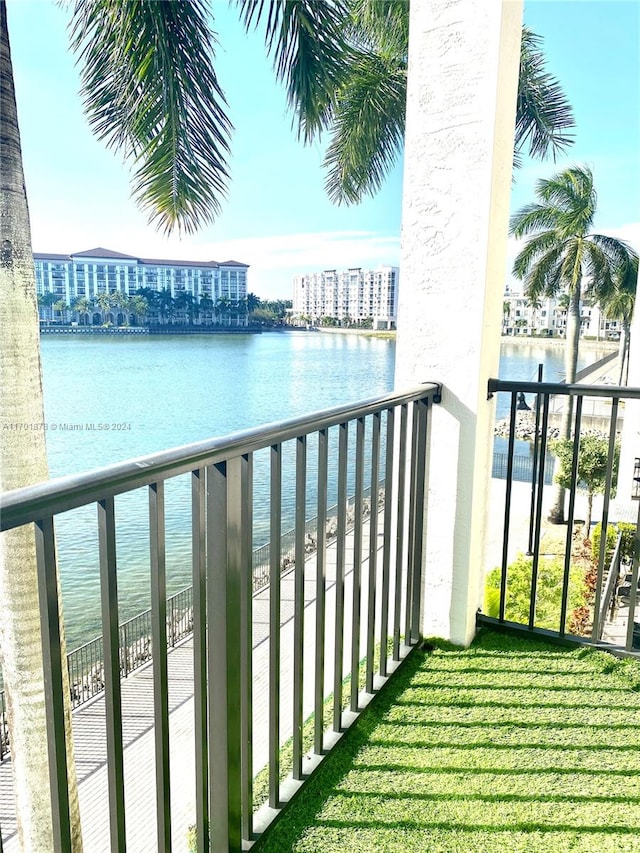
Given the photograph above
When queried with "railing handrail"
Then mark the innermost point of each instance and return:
(31, 503)
(573, 390)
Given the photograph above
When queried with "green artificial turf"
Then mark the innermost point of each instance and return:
(511, 745)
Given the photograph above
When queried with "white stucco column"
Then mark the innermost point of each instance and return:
(461, 102)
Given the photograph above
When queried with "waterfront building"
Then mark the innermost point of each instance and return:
(548, 318)
(353, 295)
(98, 271)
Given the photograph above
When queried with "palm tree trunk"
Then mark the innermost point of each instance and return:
(24, 462)
(623, 351)
(556, 513)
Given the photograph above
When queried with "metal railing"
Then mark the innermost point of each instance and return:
(598, 595)
(374, 616)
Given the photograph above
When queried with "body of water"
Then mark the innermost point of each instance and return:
(108, 399)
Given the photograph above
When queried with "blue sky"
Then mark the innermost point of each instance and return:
(277, 218)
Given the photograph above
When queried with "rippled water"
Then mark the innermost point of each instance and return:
(111, 399)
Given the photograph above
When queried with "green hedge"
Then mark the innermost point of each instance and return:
(548, 591)
(628, 532)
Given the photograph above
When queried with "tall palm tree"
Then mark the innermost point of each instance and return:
(620, 306)
(563, 256)
(365, 114)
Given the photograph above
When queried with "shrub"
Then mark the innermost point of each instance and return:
(628, 532)
(548, 591)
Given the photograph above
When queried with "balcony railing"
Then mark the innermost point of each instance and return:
(373, 617)
(608, 591)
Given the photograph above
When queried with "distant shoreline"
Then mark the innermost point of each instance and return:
(558, 343)
(389, 334)
(148, 331)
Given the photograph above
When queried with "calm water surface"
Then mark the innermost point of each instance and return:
(157, 393)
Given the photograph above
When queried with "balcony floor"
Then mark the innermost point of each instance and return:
(512, 745)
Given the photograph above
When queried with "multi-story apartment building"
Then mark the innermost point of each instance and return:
(100, 270)
(548, 317)
(353, 295)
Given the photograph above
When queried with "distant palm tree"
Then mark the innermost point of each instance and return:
(61, 307)
(365, 114)
(45, 302)
(620, 306)
(138, 306)
(166, 304)
(83, 308)
(206, 305)
(223, 309)
(563, 256)
(253, 302)
(103, 302)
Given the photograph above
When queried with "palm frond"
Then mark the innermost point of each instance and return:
(543, 112)
(532, 218)
(620, 252)
(533, 249)
(544, 278)
(150, 90)
(310, 51)
(368, 129)
(383, 24)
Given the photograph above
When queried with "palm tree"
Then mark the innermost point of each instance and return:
(206, 305)
(365, 114)
(166, 303)
(83, 307)
(60, 306)
(47, 300)
(138, 306)
(253, 302)
(103, 302)
(223, 308)
(121, 300)
(619, 306)
(184, 302)
(563, 256)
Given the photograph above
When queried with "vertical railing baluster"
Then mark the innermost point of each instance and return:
(538, 516)
(633, 589)
(419, 488)
(53, 682)
(373, 551)
(411, 531)
(338, 640)
(274, 624)
(321, 572)
(400, 530)
(507, 506)
(199, 611)
(571, 516)
(245, 501)
(357, 567)
(298, 623)
(223, 661)
(386, 539)
(159, 655)
(111, 656)
(596, 632)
